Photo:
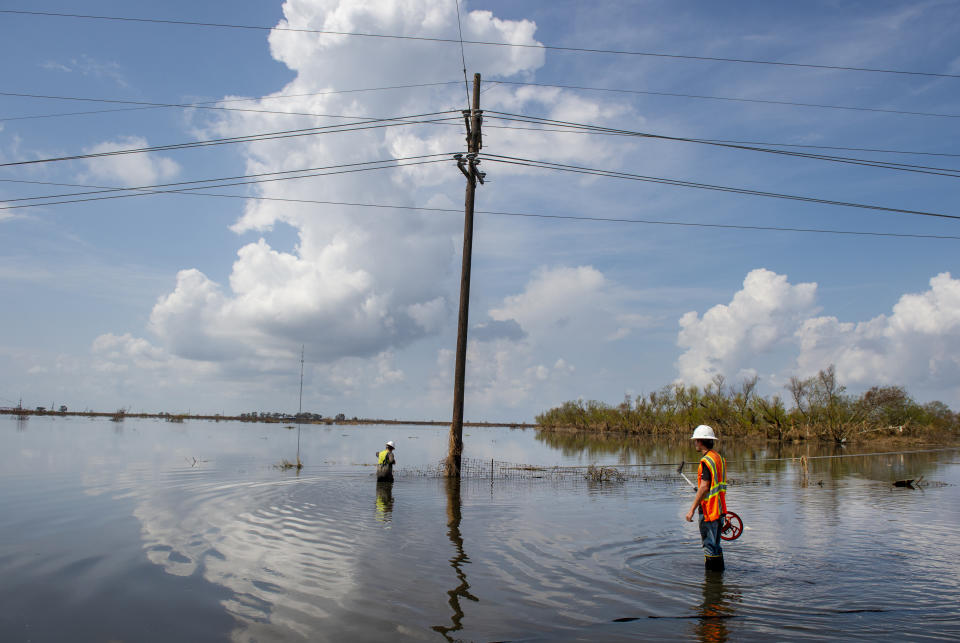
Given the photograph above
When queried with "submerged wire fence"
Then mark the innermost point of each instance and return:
(661, 473)
(477, 469)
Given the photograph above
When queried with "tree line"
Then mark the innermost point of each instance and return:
(820, 408)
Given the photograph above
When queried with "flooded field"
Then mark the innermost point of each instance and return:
(144, 530)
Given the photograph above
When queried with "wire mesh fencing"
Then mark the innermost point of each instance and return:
(478, 469)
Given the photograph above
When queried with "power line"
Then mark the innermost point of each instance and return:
(497, 159)
(734, 99)
(463, 57)
(212, 105)
(205, 105)
(222, 179)
(523, 214)
(599, 129)
(570, 130)
(702, 186)
(588, 50)
(250, 138)
(136, 191)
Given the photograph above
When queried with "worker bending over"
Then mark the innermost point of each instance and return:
(385, 462)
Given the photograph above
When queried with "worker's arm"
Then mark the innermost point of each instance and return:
(701, 494)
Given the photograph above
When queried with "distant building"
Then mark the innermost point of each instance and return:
(63, 408)
(41, 409)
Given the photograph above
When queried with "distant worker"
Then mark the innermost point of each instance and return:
(385, 462)
(711, 496)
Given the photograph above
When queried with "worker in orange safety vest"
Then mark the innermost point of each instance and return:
(711, 497)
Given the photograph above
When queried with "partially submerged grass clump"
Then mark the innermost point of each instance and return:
(603, 474)
(286, 465)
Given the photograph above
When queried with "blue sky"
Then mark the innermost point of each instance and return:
(186, 302)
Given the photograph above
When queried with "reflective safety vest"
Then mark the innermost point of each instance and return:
(714, 504)
(382, 457)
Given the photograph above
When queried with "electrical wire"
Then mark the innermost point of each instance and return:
(463, 57)
(210, 105)
(734, 99)
(489, 85)
(904, 167)
(383, 165)
(496, 159)
(102, 189)
(250, 138)
(521, 214)
(572, 130)
(510, 160)
(488, 43)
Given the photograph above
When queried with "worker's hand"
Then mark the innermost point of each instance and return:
(690, 516)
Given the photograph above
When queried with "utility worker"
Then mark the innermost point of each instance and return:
(385, 462)
(711, 496)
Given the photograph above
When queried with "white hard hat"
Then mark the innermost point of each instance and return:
(391, 444)
(704, 432)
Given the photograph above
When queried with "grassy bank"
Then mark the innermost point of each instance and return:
(820, 409)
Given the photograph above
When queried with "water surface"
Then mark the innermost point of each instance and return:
(151, 531)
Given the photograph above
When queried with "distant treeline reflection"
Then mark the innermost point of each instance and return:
(820, 409)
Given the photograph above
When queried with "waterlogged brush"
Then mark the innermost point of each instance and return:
(732, 525)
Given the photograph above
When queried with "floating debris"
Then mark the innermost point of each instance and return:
(912, 483)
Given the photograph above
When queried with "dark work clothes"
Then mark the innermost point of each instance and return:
(385, 466)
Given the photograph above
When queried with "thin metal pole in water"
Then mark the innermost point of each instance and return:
(300, 405)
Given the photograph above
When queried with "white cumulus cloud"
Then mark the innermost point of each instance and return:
(359, 282)
(128, 169)
(728, 337)
(916, 345)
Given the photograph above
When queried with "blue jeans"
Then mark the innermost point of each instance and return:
(710, 535)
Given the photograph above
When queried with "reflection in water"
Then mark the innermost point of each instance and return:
(714, 610)
(747, 460)
(273, 557)
(457, 562)
(385, 501)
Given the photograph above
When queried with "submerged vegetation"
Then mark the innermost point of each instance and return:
(603, 474)
(286, 465)
(820, 408)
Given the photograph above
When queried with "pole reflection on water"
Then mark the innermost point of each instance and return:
(457, 562)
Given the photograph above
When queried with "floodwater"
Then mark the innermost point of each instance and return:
(150, 531)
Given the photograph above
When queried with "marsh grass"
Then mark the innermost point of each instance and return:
(286, 465)
(821, 410)
(603, 474)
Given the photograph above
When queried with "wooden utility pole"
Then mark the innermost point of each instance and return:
(468, 165)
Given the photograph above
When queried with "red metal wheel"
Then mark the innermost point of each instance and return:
(732, 526)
